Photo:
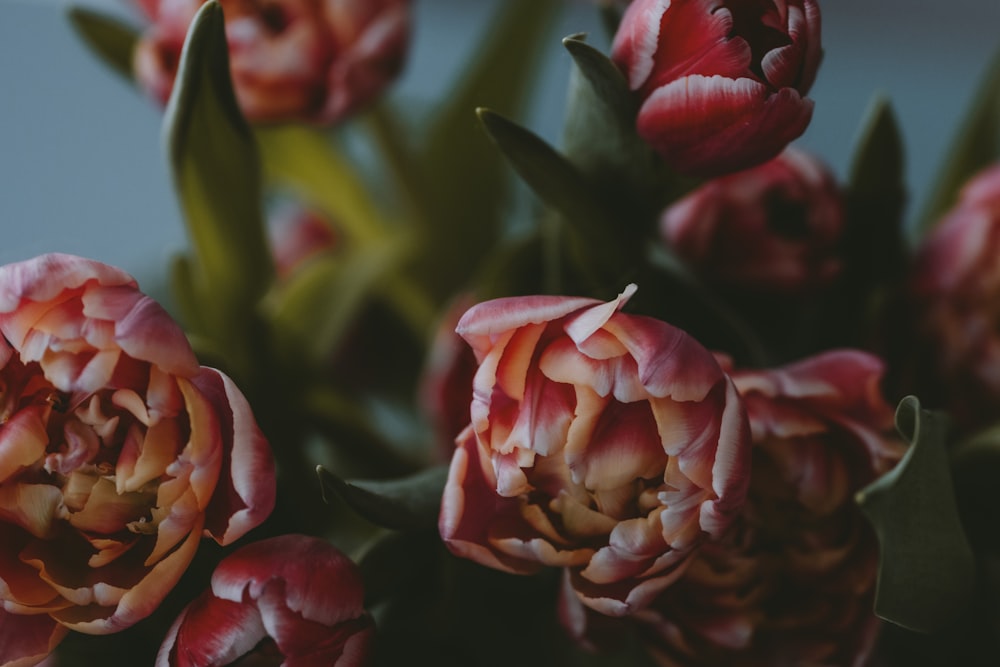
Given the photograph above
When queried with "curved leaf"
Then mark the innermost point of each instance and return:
(926, 567)
(215, 169)
(410, 503)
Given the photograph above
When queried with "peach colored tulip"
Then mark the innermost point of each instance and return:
(118, 452)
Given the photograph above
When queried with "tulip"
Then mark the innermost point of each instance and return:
(721, 83)
(298, 235)
(954, 289)
(317, 61)
(775, 228)
(608, 444)
(117, 451)
(292, 599)
(793, 581)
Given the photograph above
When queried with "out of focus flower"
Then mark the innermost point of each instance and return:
(117, 452)
(291, 60)
(793, 581)
(298, 234)
(774, 228)
(609, 444)
(292, 600)
(721, 82)
(446, 382)
(955, 296)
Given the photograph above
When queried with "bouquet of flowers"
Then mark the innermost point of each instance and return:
(388, 416)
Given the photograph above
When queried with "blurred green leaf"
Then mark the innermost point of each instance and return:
(455, 150)
(594, 237)
(216, 175)
(409, 503)
(611, 17)
(305, 161)
(878, 161)
(976, 472)
(113, 40)
(976, 146)
(311, 312)
(876, 197)
(926, 566)
(396, 560)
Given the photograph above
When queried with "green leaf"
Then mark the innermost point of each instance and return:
(976, 470)
(926, 567)
(410, 503)
(111, 39)
(311, 312)
(876, 197)
(395, 561)
(976, 146)
(455, 150)
(593, 234)
(216, 174)
(599, 136)
(878, 160)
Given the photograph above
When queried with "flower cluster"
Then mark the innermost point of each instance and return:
(704, 470)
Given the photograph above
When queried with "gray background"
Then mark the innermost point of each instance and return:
(81, 168)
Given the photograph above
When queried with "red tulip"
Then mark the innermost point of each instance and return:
(117, 451)
(291, 60)
(721, 82)
(954, 290)
(293, 600)
(775, 228)
(609, 444)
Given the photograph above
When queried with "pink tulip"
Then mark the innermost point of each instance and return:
(721, 82)
(609, 444)
(775, 228)
(117, 451)
(293, 600)
(317, 61)
(955, 291)
(793, 581)
(297, 235)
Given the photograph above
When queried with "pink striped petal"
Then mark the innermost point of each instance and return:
(709, 125)
(245, 493)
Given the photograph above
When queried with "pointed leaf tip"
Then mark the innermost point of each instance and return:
(409, 503)
(112, 40)
(926, 576)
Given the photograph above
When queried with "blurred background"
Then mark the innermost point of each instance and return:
(82, 171)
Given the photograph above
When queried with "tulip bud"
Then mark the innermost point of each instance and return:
(292, 599)
(721, 82)
(775, 228)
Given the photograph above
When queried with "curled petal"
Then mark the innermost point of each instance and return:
(709, 125)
